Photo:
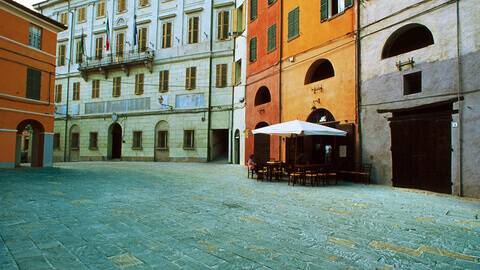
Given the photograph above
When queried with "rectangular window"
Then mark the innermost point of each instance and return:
(193, 30)
(238, 72)
(79, 53)
(143, 3)
(99, 48)
(163, 83)
(58, 93)
(221, 76)
(75, 141)
(56, 141)
(167, 35)
(35, 37)
(253, 49)
(293, 23)
(81, 14)
(162, 139)
(222, 25)
(139, 83)
(100, 9)
(253, 9)
(191, 78)
(34, 83)
(61, 55)
(142, 39)
(137, 140)
(117, 86)
(412, 83)
(272, 38)
(330, 8)
(119, 44)
(188, 139)
(121, 5)
(64, 18)
(76, 91)
(238, 21)
(93, 141)
(95, 88)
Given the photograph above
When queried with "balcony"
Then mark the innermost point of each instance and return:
(124, 60)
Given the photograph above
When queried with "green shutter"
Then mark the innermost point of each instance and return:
(253, 9)
(34, 84)
(291, 18)
(324, 10)
(348, 3)
(296, 24)
(253, 49)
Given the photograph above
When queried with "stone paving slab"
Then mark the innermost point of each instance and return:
(124, 215)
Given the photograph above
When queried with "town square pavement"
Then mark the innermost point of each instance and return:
(126, 215)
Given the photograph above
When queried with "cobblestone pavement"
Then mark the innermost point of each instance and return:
(115, 215)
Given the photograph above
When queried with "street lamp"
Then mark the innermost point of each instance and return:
(160, 101)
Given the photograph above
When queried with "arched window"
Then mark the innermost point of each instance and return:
(263, 96)
(406, 39)
(320, 116)
(320, 70)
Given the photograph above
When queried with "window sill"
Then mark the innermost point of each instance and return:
(123, 11)
(93, 148)
(161, 148)
(272, 50)
(292, 38)
(188, 148)
(146, 6)
(137, 148)
(251, 62)
(74, 148)
(100, 17)
(272, 4)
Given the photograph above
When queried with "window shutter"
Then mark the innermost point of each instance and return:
(348, 3)
(234, 73)
(291, 18)
(225, 24)
(235, 21)
(324, 10)
(219, 25)
(219, 75)
(253, 9)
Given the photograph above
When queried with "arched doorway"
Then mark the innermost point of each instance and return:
(162, 152)
(261, 144)
(35, 144)
(236, 157)
(74, 143)
(114, 141)
(316, 146)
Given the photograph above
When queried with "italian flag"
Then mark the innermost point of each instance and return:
(107, 45)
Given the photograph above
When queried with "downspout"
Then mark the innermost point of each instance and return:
(357, 81)
(232, 135)
(68, 82)
(460, 111)
(280, 78)
(209, 107)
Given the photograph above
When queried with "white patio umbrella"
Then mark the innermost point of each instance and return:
(297, 128)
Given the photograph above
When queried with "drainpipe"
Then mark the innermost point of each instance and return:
(460, 111)
(232, 135)
(72, 28)
(209, 107)
(357, 81)
(280, 79)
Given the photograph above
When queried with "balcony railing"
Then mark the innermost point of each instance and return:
(113, 60)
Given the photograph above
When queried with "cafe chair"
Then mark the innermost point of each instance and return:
(364, 174)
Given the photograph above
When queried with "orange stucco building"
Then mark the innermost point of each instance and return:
(318, 74)
(27, 79)
(263, 78)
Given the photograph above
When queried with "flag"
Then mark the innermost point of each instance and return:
(108, 37)
(82, 45)
(135, 30)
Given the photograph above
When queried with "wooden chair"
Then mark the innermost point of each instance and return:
(250, 172)
(312, 175)
(261, 171)
(364, 174)
(294, 175)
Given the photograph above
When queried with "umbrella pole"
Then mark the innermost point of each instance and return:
(296, 146)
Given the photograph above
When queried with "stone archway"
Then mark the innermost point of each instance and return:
(37, 142)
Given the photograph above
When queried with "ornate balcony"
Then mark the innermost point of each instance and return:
(123, 60)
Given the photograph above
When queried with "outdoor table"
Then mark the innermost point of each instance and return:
(274, 168)
(304, 168)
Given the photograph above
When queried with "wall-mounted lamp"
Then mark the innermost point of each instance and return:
(314, 108)
(317, 88)
(160, 101)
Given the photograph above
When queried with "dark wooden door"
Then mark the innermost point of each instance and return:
(261, 144)
(421, 153)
